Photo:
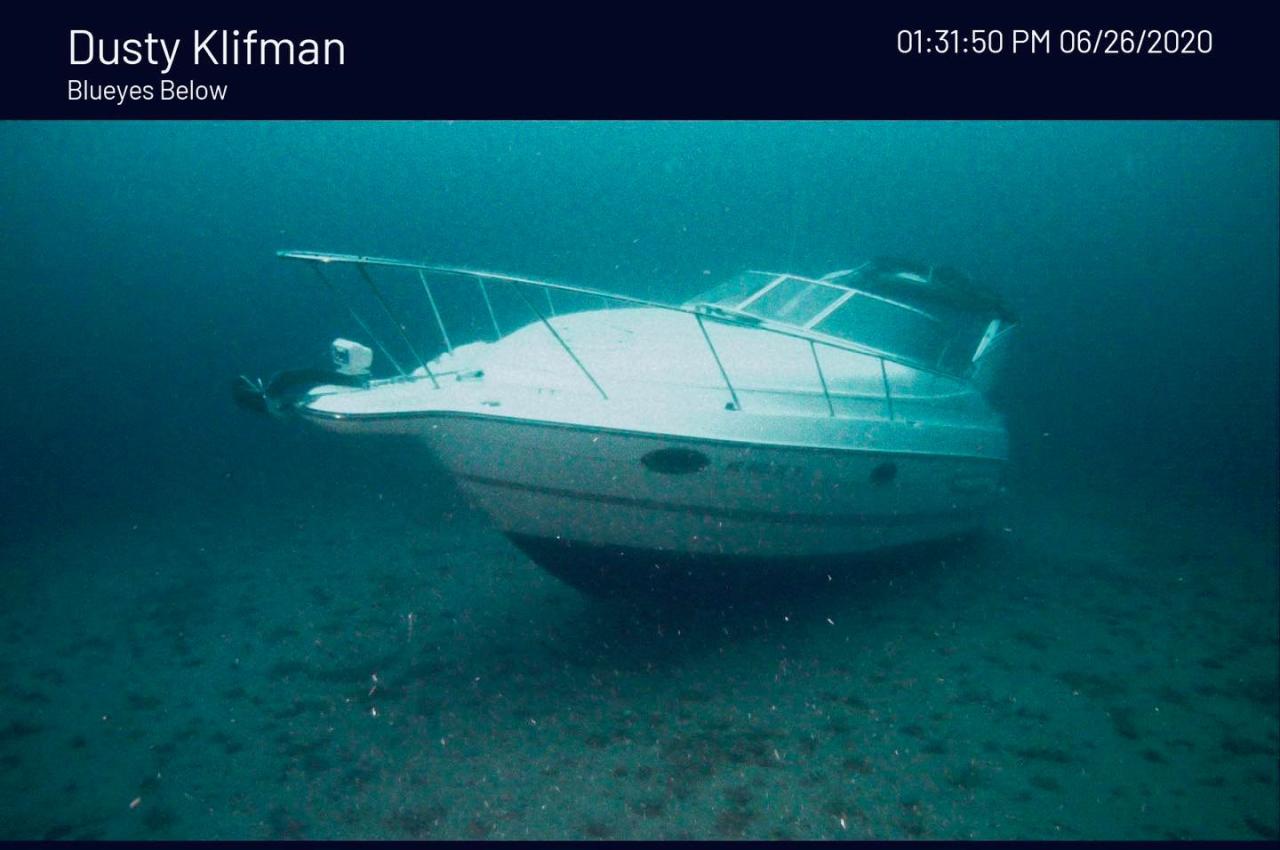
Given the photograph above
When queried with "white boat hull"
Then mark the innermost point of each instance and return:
(618, 489)
(594, 488)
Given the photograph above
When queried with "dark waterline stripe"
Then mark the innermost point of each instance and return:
(728, 513)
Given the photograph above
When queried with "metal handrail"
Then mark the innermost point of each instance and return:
(812, 338)
(762, 324)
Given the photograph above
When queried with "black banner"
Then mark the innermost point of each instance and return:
(646, 60)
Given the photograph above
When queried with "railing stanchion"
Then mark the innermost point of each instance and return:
(359, 321)
(497, 332)
(377, 293)
(435, 310)
(813, 348)
(888, 394)
(737, 405)
(560, 340)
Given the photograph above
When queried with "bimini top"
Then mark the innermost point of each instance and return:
(934, 317)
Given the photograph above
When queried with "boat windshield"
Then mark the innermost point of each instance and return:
(786, 299)
(925, 331)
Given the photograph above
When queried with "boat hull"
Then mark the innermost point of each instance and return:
(643, 492)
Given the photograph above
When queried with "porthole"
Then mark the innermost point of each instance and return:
(884, 473)
(675, 461)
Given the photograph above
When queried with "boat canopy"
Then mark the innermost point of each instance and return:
(933, 317)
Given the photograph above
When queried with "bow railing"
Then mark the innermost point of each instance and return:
(525, 286)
